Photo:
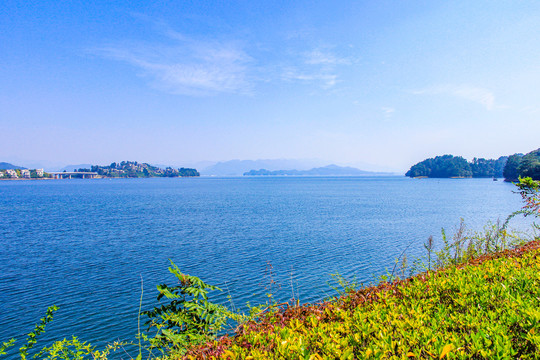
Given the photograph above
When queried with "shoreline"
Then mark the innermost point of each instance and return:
(19, 179)
(101, 178)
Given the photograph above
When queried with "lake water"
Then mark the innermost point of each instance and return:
(85, 245)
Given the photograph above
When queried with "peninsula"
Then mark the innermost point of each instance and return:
(510, 167)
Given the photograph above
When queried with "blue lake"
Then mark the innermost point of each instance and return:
(86, 245)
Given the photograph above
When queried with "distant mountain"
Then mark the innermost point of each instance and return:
(239, 167)
(330, 170)
(8, 166)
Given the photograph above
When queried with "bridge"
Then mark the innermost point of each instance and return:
(71, 174)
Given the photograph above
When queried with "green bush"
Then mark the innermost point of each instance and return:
(189, 318)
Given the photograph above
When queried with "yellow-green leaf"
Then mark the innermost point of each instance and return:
(446, 349)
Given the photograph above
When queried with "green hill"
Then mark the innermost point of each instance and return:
(445, 166)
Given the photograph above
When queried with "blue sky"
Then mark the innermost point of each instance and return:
(380, 82)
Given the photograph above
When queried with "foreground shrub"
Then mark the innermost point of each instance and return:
(187, 317)
(487, 309)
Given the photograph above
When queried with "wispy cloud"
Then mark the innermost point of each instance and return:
(388, 111)
(316, 66)
(534, 110)
(183, 65)
(325, 79)
(319, 57)
(478, 95)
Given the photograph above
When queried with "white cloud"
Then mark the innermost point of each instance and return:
(478, 95)
(186, 66)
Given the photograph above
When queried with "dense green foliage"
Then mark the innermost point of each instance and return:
(520, 165)
(488, 167)
(455, 166)
(441, 167)
(530, 165)
(133, 169)
(510, 171)
(187, 318)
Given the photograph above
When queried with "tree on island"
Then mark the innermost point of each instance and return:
(188, 172)
(511, 172)
(530, 165)
(488, 167)
(445, 166)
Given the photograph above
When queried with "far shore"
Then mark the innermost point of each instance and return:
(16, 179)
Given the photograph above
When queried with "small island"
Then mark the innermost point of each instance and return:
(133, 169)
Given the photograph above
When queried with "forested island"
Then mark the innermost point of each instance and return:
(133, 169)
(449, 166)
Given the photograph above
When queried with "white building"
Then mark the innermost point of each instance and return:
(25, 174)
(40, 172)
(12, 173)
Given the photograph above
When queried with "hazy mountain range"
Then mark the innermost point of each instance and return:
(75, 167)
(330, 170)
(239, 167)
